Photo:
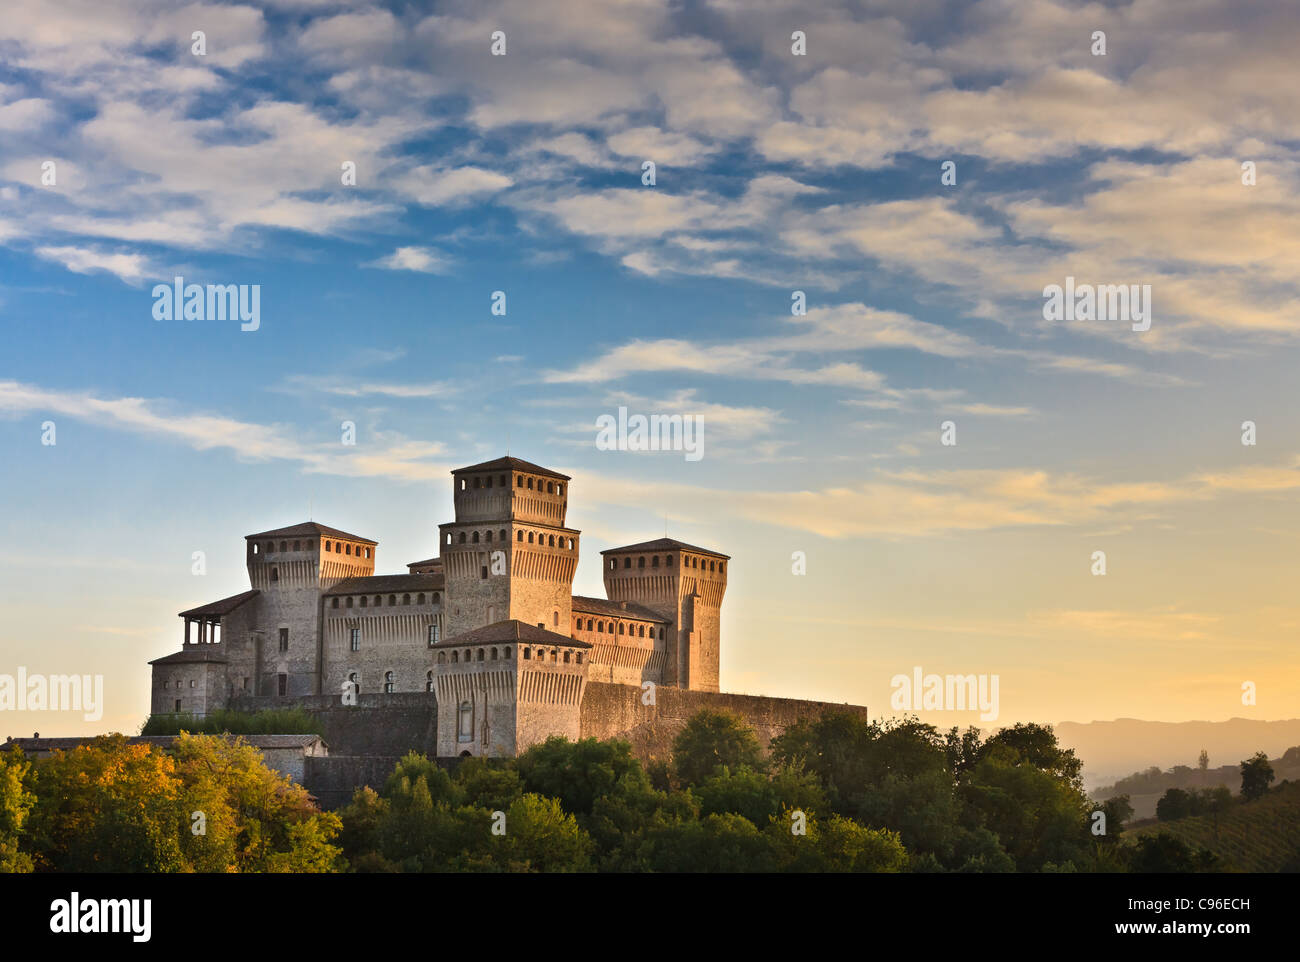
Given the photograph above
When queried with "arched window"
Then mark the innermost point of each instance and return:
(566, 657)
(466, 728)
(622, 628)
(507, 654)
(475, 537)
(455, 657)
(589, 624)
(640, 562)
(559, 489)
(480, 654)
(613, 564)
(406, 599)
(661, 634)
(379, 601)
(494, 654)
(363, 601)
(555, 618)
(641, 633)
(530, 484)
(334, 602)
(528, 654)
(578, 656)
(392, 600)
(668, 561)
(284, 546)
(551, 542)
(428, 681)
(488, 537)
(520, 535)
(555, 655)
(550, 487)
(713, 566)
(654, 562)
(257, 549)
(296, 546)
(436, 597)
(275, 574)
(600, 627)
(627, 562)
(349, 601)
(419, 599)
(461, 539)
(519, 480)
(502, 536)
(530, 537)
(388, 682)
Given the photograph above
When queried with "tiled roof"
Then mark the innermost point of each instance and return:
(615, 609)
(425, 563)
(309, 529)
(223, 607)
(668, 544)
(511, 630)
(513, 464)
(378, 584)
(193, 655)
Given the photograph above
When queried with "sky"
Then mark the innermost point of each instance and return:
(775, 172)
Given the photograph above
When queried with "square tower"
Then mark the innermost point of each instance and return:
(508, 555)
(506, 687)
(684, 584)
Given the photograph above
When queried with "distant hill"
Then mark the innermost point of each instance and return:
(1145, 788)
(1260, 836)
(1113, 749)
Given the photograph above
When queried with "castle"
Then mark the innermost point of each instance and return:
(489, 629)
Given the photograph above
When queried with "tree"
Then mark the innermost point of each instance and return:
(1203, 763)
(1218, 801)
(1256, 776)
(712, 740)
(15, 805)
(577, 773)
(541, 837)
(1173, 805)
(1118, 810)
(1163, 853)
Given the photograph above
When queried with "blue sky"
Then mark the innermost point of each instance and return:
(774, 173)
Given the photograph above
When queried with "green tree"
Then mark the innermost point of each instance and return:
(712, 740)
(1163, 853)
(15, 806)
(542, 837)
(577, 773)
(1256, 776)
(1203, 762)
(1173, 805)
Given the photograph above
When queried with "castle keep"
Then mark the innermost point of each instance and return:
(488, 631)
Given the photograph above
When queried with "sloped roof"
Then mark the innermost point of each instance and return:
(668, 544)
(510, 630)
(615, 609)
(309, 529)
(513, 464)
(193, 655)
(377, 584)
(425, 563)
(223, 607)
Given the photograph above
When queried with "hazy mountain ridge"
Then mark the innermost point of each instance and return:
(1112, 750)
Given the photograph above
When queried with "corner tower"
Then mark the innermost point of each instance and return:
(684, 584)
(508, 555)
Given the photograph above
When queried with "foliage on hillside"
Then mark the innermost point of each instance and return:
(1258, 836)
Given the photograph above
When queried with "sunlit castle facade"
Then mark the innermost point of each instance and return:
(489, 627)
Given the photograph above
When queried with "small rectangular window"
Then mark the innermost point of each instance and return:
(284, 639)
(482, 572)
(283, 681)
(356, 639)
(433, 635)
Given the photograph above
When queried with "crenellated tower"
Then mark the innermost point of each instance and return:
(508, 554)
(684, 584)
